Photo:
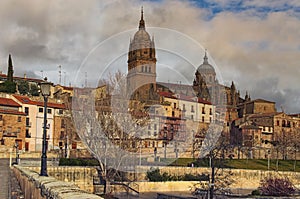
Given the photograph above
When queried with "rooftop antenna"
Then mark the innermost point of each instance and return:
(86, 79)
(59, 74)
(282, 109)
(64, 78)
(42, 74)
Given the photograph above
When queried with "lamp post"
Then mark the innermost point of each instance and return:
(269, 159)
(165, 144)
(45, 90)
(17, 152)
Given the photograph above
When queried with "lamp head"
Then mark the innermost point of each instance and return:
(45, 87)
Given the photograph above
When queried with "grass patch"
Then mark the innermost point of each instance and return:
(255, 164)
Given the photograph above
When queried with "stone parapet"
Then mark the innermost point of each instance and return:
(242, 178)
(80, 176)
(40, 187)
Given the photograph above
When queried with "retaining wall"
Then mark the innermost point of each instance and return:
(41, 187)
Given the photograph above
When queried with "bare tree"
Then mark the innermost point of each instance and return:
(110, 132)
(214, 147)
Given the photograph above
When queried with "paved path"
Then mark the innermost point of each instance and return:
(4, 178)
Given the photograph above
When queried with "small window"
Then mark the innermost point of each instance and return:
(210, 111)
(19, 119)
(1, 117)
(27, 122)
(155, 126)
(183, 107)
(49, 111)
(74, 145)
(203, 110)
(192, 117)
(60, 111)
(40, 110)
(26, 110)
(203, 119)
(192, 109)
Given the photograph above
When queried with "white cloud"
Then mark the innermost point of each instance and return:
(248, 48)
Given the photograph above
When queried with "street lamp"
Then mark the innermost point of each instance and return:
(165, 144)
(17, 152)
(45, 90)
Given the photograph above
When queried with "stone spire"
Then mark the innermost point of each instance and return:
(205, 58)
(142, 22)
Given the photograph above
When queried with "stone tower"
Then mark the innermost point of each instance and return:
(141, 77)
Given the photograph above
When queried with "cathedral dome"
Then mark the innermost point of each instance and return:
(142, 36)
(206, 68)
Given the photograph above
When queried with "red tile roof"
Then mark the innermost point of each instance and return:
(8, 102)
(23, 78)
(183, 97)
(27, 100)
(13, 112)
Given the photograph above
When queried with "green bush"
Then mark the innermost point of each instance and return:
(78, 162)
(156, 176)
(8, 87)
(255, 192)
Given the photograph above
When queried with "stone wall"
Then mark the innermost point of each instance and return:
(80, 176)
(244, 179)
(41, 187)
(176, 186)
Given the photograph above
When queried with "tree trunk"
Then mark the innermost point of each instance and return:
(212, 182)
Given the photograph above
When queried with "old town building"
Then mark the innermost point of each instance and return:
(12, 125)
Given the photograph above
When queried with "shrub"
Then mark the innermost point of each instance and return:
(276, 187)
(78, 162)
(8, 87)
(156, 176)
(255, 192)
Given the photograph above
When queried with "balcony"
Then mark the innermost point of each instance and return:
(10, 134)
(28, 135)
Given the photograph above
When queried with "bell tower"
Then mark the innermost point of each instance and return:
(141, 77)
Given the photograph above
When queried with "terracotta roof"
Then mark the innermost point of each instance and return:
(8, 102)
(13, 112)
(183, 97)
(27, 100)
(66, 87)
(167, 94)
(23, 78)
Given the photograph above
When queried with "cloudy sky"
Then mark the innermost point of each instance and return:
(254, 43)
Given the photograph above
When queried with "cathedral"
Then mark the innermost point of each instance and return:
(142, 84)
